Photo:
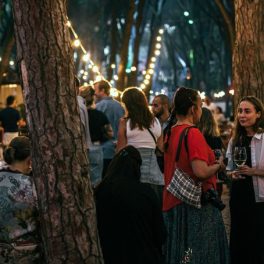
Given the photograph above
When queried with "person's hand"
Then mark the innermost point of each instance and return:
(246, 170)
(220, 161)
(235, 175)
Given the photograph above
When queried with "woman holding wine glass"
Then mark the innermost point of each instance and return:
(245, 155)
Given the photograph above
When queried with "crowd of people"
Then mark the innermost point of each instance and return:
(135, 153)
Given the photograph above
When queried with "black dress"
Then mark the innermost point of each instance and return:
(247, 220)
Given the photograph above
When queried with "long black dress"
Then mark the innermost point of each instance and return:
(247, 220)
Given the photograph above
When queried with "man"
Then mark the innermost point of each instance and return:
(10, 120)
(161, 109)
(114, 111)
(83, 115)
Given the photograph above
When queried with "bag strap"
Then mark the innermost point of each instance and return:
(183, 135)
(151, 133)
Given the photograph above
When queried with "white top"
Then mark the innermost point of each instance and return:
(257, 161)
(142, 138)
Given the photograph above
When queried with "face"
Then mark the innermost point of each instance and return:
(197, 110)
(247, 114)
(157, 107)
(99, 94)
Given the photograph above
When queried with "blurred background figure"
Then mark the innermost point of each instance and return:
(142, 130)
(207, 103)
(10, 120)
(130, 221)
(100, 131)
(19, 236)
(219, 115)
(114, 111)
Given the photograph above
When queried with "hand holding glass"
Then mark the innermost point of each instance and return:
(240, 156)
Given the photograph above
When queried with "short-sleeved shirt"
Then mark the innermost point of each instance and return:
(97, 123)
(197, 149)
(9, 118)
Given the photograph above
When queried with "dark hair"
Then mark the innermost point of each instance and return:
(164, 99)
(258, 127)
(10, 100)
(137, 106)
(125, 165)
(207, 123)
(104, 85)
(17, 150)
(184, 98)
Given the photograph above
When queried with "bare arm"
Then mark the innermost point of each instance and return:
(121, 135)
(160, 143)
(109, 133)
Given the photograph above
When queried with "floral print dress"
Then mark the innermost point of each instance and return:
(19, 239)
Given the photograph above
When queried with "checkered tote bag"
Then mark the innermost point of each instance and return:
(182, 185)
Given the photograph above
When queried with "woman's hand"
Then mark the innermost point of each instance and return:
(246, 170)
(235, 175)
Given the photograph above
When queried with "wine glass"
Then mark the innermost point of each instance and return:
(240, 156)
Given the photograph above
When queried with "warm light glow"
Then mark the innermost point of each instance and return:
(133, 68)
(148, 77)
(144, 72)
(11, 63)
(76, 43)
(98, 78)
(113, 66)
(143, 86)
(68, 23)
(186, 13)
(161, 31)
(158, 46)
(152, 65)
(153, 59)
(81, 71)
(159, 38)
(85, 83)
(146, 82)
(91, 82)
(95, 68)
(114, 92)
(115, 77)
(84, 77)
(219, 94)
(150, 71)
(202, 95)
(85, 57)
(232, 91)
(85, 73)
(157, 52)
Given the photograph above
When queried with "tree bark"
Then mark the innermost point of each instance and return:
(248, 53)
(121, 83)
(60, 165)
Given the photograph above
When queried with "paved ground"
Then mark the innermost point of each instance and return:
(225, 212)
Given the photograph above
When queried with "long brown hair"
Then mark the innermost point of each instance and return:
(258, 127)
(137, 108)
(207, 123)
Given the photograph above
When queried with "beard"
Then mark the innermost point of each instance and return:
(160, 113)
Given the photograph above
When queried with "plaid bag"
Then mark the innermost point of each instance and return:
(182, 185)
(184, 188)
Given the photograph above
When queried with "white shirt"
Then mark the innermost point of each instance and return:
(142, 138)
(257, 161)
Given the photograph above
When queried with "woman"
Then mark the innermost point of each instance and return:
(128, 212)
(209, 128)
(197, 234)
(143, 131)
(18, 212)
(247, 192)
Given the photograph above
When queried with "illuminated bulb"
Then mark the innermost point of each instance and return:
(114, 92)
(144, 72)
(133, 68)
(76, 43)
(157, 52)
(146, 82)
(113, 66)
(150, 71)
(85, 73)
(158, 46)
(91, 82)
(90, 66)
(85, 77)
(161, 31)
(85, 83)
(147, 76)
(232, 91)
(95, 68)
(68, 23)
(0, 58)
(115, 77)
(98, 78)
(81, 71)
(151, 92)
(85, 57)
(153, 59)
(152, 65)
(159, 38)
(11, 63)
(112, 81)
(157, 93)
(142, 86)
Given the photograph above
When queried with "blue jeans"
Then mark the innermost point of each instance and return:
(96, 164)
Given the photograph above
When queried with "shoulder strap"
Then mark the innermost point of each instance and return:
(183, 135)
(150, 132)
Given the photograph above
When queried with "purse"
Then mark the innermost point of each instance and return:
(182, 185)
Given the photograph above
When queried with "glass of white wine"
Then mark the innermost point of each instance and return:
(240, 156)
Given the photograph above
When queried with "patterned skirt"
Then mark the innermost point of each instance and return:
(195, 236)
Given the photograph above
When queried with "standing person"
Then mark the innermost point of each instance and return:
(20, 235)
(142, 130)
(10, 120)
(200, 232)
(114, 111)
(130, 221)
(100, 131)
(161, 109)
(83, 115)
(247, 194)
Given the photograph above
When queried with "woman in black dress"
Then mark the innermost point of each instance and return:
(247, 192)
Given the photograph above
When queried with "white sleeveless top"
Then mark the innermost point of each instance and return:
(142, 138)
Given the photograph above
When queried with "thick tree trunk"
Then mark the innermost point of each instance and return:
(248, 53)
(60, 165)
(124, 49)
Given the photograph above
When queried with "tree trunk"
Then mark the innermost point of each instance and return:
(121, 83)
(60, 165)
(248, 53)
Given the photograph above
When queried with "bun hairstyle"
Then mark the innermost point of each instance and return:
(17, 150)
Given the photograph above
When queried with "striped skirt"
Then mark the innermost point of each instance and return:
(195, 236)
